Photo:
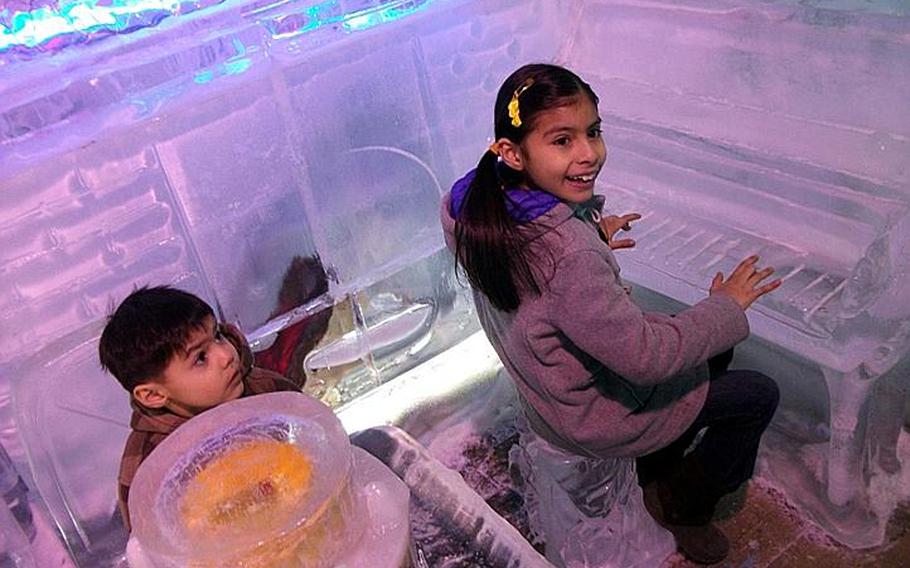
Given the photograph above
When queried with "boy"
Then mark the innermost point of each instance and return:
(165, 347)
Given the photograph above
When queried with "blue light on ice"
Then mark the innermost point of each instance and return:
(76, 21)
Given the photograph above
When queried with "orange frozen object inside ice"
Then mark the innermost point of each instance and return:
(246, 485)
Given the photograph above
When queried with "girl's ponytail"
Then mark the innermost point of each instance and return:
(486, 245)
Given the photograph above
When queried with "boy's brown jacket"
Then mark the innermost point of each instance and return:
(151, 427)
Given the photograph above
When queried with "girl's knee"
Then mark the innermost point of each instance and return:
(766, 391)
(763, 392)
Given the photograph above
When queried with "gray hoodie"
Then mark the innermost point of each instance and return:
(597, 376)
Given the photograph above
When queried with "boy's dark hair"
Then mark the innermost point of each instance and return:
(148, 328)
(495, 259)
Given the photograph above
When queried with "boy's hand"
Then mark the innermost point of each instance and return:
(611, 224)
(743, 284)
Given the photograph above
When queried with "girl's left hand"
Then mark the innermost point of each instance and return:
(611, 224)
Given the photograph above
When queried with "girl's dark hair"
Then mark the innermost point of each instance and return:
(147, 330)
(487, 246)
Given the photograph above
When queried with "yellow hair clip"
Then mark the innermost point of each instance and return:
(513, 104)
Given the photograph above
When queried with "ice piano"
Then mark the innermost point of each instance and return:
(210, 144)
(782, 132)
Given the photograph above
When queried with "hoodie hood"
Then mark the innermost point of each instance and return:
(523, 205)
(526, 205)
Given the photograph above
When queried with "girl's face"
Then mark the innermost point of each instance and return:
(564, 151)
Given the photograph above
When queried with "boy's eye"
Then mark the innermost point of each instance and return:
(595, 133)
(200, 359)
(561, 141)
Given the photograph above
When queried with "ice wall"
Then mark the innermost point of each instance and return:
(207, 144)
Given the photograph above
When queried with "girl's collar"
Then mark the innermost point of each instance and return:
(526, 205)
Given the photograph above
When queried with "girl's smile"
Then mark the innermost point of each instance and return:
(564, 151)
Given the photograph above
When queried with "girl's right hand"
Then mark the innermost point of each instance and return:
(743, 283)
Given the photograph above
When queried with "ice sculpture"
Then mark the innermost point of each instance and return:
(588, 511)
(264, 481)
(14, 544)
(780, 130)
(210, 144)
(449, 497)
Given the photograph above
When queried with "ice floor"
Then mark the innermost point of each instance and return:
(765, 529)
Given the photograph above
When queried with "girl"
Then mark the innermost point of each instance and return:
(596, 375)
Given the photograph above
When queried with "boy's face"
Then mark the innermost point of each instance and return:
(203, 375)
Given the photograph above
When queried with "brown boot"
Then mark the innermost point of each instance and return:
(702, 543)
